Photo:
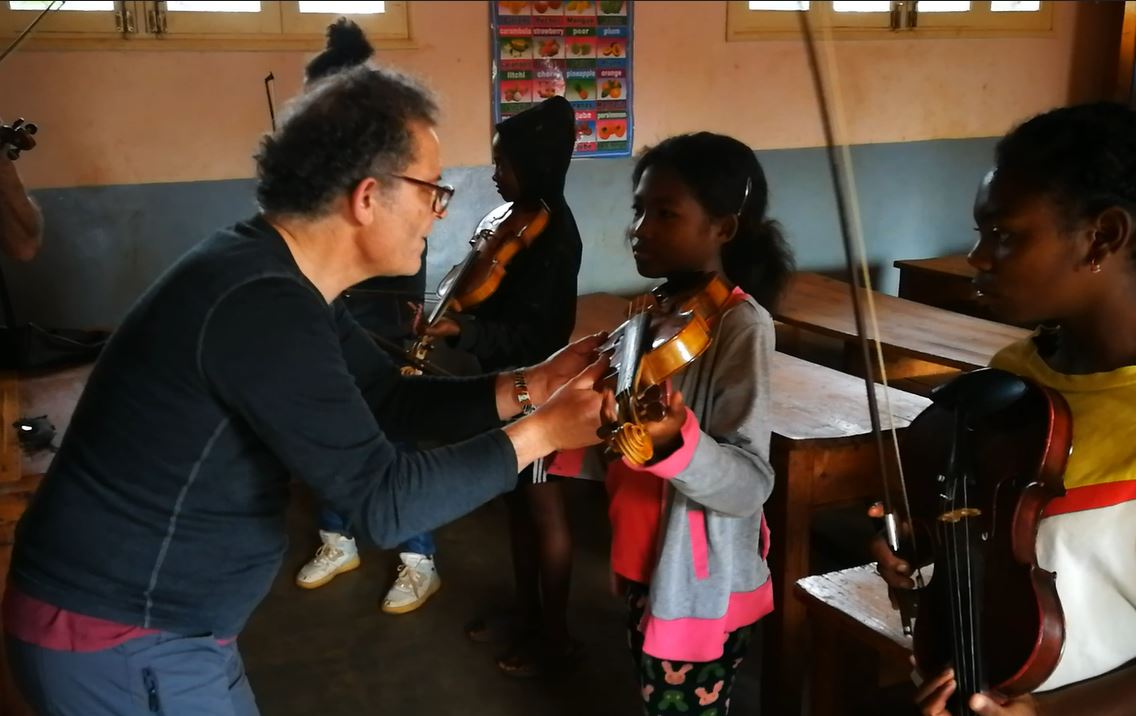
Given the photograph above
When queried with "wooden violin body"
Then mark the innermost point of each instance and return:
(665, 333)
(500, 236)
(17, 137)
(982, 462)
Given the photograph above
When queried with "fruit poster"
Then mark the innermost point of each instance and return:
(581, 50)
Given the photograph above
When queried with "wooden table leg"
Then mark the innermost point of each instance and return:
(784, 632)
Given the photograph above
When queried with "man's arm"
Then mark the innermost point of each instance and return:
(21, 224)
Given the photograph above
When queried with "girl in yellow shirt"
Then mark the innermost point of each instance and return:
(1056, 220)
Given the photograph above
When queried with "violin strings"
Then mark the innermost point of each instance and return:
(971, 612)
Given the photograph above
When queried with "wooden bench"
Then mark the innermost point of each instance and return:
(856, 637)
(922, 345)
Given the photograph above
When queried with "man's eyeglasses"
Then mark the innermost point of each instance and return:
(442, 192)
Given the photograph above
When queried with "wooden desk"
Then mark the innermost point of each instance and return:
(943, 282)
(824, 455)
(917, 340)
(855, 632)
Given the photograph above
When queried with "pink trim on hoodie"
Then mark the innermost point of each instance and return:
(694, 639)
(679, 460)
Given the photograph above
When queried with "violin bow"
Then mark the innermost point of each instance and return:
(897, 514)
(268, 80)
(27, 30)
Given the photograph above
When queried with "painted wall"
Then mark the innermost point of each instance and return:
(143, 153)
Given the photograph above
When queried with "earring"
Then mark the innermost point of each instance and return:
(1094, 266)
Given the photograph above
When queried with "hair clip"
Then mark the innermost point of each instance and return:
(745, 195)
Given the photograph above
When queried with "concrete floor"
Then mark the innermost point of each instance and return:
(332, 652)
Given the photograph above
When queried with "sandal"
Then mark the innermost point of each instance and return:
(535, 656)
(489, 630)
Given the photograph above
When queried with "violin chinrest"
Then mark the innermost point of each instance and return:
(981, 392)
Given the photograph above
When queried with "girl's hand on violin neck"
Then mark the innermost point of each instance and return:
(545, 378)
(665, 434)
(444, 328)
(895, 571)
(933, 694)
(417, 317)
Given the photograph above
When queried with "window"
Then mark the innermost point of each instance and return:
(906, 18)
(234, 24)
(85, 16)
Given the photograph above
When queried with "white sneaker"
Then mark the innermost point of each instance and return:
(336, 555)
(417, 580)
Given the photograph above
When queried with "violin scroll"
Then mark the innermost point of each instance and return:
(500, 236)
(17, 137)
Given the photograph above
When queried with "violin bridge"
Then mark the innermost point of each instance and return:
(959, 515)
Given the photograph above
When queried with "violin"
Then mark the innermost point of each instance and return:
(666, 331)
(500, 236)
(982, 461)
(17, 137)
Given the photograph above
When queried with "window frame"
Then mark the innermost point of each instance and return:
(743, 24)
(152, 27)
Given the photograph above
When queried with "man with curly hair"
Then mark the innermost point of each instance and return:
(161, 523)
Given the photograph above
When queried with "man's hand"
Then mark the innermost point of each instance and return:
(568, 420)
(545, 378)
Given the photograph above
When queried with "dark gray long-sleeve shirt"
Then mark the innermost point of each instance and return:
(165, 505)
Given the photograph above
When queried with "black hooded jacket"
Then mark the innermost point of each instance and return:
(533, 311)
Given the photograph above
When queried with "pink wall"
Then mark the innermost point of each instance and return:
(112, 117)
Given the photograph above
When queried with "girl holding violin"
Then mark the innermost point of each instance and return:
(531, 312)
(1057, 246)
(688, 535)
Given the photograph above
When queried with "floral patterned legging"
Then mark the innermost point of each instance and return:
(700, 688)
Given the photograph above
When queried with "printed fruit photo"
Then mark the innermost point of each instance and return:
(514, 92)
(611, 7)
(514, 8)
(516, 47)
(581, 49)
(611, 89)
(578, 6)
(612, 130)
(549, 48)
(613, 49)
(584, 129)
(547, 90)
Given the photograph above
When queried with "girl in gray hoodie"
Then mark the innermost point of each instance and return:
(688, 534)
